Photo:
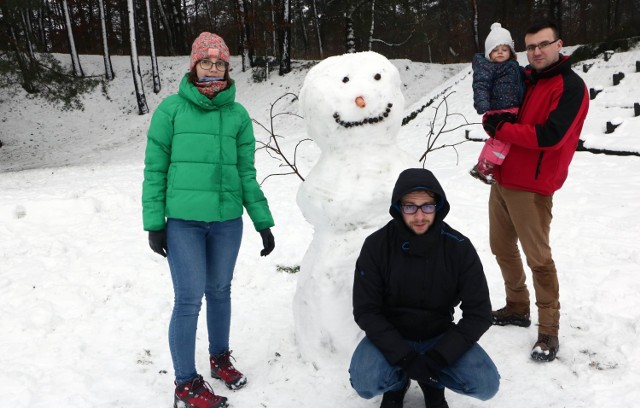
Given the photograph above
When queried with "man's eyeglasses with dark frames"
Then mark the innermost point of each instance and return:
(428, 208)
(207, 64)
(541, 46)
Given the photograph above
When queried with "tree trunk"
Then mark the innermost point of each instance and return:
(303, 27)
(152, 47)
(108, 68)
(373, 23)
(274, 23)
(28, 33)
(28, 74)
(317, 24)
(135, 64)
(168, 28)
(285, 49)
(350, 31)
(244, 41)
(75, 60)
(476, 36)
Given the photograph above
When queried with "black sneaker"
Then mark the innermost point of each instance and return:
(545, 348)
(433, 397)
(394, 399)
(505, 317)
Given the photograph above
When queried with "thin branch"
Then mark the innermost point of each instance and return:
(434, 133)
(272, 147)
(391, 44)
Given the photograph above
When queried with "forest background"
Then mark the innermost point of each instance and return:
(268, 34)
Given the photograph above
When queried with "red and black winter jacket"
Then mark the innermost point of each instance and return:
(545, 136)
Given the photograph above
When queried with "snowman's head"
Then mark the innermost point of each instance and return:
(351, 100)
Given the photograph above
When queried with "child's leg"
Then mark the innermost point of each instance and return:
(494, 151)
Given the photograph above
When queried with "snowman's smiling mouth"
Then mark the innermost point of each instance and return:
(374, 119)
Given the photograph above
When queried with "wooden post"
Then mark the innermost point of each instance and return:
(611, 127)
(637, 66)
(636, 109)
(593, 93)
(608, 54)
(617, 77)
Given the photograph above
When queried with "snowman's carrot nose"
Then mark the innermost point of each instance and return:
(360, 102)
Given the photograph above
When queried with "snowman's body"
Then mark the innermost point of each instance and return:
(353, 108)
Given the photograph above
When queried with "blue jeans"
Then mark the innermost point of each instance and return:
(473, 374)
(202, 256)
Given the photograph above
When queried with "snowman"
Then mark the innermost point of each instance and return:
(353, 109)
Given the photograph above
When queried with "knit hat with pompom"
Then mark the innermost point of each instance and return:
(497, 36)
(208, 45)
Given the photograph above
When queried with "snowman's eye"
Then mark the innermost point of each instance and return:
(345, 79)
(377, 77)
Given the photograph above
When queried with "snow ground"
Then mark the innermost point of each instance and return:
(85, 304)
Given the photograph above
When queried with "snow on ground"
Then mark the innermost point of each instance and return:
(85, 303)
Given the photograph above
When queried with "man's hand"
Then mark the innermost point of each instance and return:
(424, 368)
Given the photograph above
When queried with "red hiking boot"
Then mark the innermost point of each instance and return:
(197, 394)
(222, 369)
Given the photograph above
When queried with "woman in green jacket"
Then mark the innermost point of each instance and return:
(199, 175)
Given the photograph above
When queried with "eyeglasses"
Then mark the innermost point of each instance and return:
(428, 208)
(207, 64)
(541, 46)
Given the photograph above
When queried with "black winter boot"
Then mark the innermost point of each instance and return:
(433, 397)
(394, 399)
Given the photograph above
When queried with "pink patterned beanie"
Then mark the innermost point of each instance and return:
(208, 45)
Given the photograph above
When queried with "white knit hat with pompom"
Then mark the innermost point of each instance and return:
(497, 36)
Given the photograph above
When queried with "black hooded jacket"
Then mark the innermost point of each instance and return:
(406, 285)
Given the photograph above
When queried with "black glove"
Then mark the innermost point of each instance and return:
(158, 242)
(493, 122)
(268, 242)
(424, 368)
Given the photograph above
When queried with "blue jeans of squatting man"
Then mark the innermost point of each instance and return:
(473, 374)
(202, 257)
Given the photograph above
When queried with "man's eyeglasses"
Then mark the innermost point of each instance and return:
(541, 46)
(425, 208)
(207, 64)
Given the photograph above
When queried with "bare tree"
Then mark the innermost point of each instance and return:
(152, 46)
(316, 19)
(372, 39)
(274, 34)
(244, 35)
(135, 63)
(167, 27)
(26, 24)
(303, 28)
(108, 68)
(350, 31)
(474, 30)
(285, 38)
(75, 60)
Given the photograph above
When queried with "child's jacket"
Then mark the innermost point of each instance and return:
(496, 85)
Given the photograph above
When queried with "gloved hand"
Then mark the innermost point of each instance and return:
(491, 122)
(424, 368)
(158, 242)
(268, 242)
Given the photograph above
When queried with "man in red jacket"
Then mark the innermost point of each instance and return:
(544, 140)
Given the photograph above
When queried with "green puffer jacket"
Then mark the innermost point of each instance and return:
(199, 161)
